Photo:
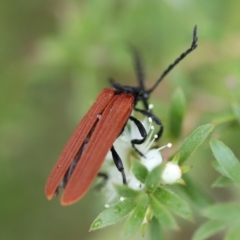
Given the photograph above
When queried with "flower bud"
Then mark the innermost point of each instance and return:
(171, 173)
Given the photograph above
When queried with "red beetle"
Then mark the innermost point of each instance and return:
(81, 159)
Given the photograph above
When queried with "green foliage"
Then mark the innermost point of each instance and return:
(227, 161)
(222, 181)
(193, 141)
(153, 202)
(220, 216)
(153, 179)
(139, 171)
(125, 191)
(173, 202)
(208, 229)
(224, 215)
(135, 221)
(160, 212)
(113, 214)
(197, 195)
(156, 232)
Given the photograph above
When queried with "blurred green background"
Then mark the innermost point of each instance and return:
(56, 56)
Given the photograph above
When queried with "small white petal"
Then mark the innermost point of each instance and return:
(152, 159)
(135, 184)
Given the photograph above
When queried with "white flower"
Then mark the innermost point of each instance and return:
(134, 183)
(151, 159)
(171, 173)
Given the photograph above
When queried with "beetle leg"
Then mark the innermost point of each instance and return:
(155, 119)
(142, 132)
(118, 162)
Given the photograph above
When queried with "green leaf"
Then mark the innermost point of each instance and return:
(236, 111)
(139, 171)
(173, 202)
(156, 232)
(153, 178)
(125, 191)
(162, 214)
(113, 214)
(193, 141)
(227, 118)
(135, 220)
(198, 196)
(227, 212)
(233, 233)
(208, 229)
(177, 111)
(219, 168)
(227, 160)
(222, 181)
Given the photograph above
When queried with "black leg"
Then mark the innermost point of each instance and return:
(142, 132)
(118, 162)
(155, 119)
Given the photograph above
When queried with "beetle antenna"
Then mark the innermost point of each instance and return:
(179, 59)
(139, 69)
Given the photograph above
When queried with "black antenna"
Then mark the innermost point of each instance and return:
(138, 68)
(180, 58)
(140, 74)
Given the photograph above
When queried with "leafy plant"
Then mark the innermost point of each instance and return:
(154, 204)
(226, 215)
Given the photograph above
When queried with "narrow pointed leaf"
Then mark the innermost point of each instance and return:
(224, 119)
(173, 202)
(193, 141)
(162, 214)
(156, 232)
(225, 157)
(225, 212)
(194, 191)
(136, 218)
(208, 229)
(222, 181)
(113, 214)
(219, 168)
(177, 111)
(125, 191)
(139, 171)
(153, 178)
